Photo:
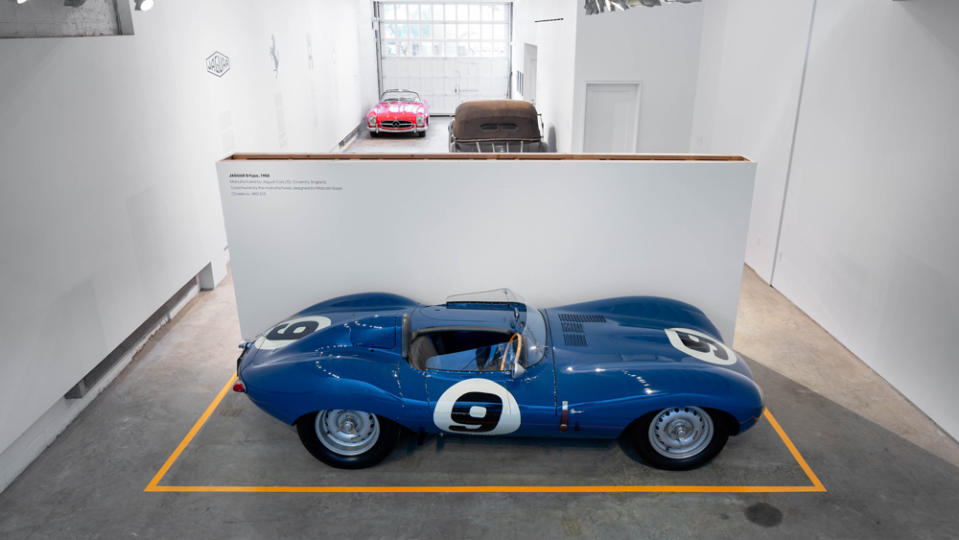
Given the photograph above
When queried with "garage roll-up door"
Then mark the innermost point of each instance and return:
(448, 52)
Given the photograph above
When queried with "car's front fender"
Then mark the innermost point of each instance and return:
(329, 393)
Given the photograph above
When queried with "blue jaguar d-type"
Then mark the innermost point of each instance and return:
(350, 372)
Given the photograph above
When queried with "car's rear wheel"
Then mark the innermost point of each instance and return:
(679, 438)
(346, 438)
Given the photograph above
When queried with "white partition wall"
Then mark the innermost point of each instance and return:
(747, 99)
(656, 48)
(556, 229)
(869, 246)
(854, 217)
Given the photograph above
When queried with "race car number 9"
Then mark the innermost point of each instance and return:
(701, 346)
(290, 331)
(477, 406)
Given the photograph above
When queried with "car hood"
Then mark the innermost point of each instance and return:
(397, 109)
(607, 357)
(589, 341)
(626, 335)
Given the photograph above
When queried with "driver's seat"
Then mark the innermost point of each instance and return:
(421, 349)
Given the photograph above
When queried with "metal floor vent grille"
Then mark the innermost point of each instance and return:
(575, 340)
(579, 317)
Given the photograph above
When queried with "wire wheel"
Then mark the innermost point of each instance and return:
(347, 432)
(680, 432)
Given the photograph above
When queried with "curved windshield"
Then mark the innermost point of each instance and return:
(400, 95)
(534, 337)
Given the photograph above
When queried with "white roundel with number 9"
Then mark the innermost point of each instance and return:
(701, 346)
(477, 407)
(291, 331)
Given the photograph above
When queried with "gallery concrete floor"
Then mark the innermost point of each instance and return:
(849, 426)
(887, 471)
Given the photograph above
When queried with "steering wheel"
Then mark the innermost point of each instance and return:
(518, 338)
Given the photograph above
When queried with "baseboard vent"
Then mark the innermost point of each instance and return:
(346, 141)
(132, 343)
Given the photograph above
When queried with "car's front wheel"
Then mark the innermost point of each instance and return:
(346, 438)
(679, 438)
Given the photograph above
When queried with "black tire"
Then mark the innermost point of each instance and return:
(696, 455)
(421, 134)
(389, 432)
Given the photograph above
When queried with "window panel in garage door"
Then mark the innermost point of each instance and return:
(448, 52)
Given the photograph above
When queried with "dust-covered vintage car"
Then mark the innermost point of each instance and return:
(499, 125)
(350, 372)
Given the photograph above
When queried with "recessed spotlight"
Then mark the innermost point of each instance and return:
(144, 5)
(21, 1)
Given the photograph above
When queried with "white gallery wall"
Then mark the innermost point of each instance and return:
(658, 48)
(618, 237)
(750, 69)
(869, 218)
(555, 39)
(107, 152)
(869, 247)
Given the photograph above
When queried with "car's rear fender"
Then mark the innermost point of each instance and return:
(372, 301)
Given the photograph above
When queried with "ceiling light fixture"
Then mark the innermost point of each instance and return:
(21, 1)
(143, 5)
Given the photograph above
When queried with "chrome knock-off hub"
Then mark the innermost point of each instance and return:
(680, 432)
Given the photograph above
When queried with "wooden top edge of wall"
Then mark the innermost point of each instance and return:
(472, 156)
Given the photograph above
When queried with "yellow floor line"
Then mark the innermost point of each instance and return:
(154, 485)
(487, 489)
(792, 450)
(189, 436)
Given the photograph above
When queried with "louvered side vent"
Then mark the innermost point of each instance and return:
(569, 326)
(574, 333)
(575, 340)
(581, 318)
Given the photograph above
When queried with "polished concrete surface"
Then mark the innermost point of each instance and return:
(90, 482)
(888, 471)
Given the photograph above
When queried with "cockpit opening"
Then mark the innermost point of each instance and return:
(463, 350)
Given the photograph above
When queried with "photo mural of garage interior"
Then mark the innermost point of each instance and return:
(447, 52)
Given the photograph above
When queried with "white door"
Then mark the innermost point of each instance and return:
(612, 117)
(529, 72)
(448, 52)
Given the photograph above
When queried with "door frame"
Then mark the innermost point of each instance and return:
(639, 101)
(378, 38)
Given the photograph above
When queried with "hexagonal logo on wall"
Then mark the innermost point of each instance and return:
(218, 64)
